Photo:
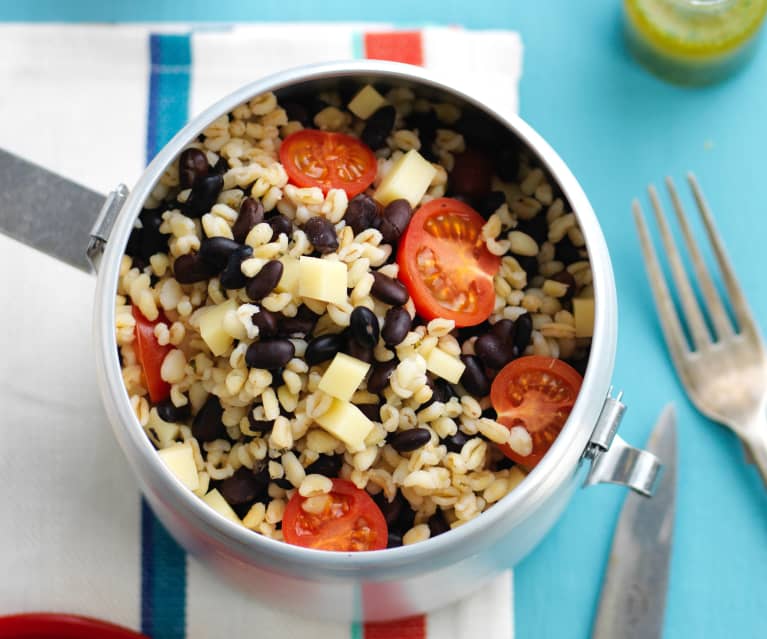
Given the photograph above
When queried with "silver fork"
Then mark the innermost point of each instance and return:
(725, 375)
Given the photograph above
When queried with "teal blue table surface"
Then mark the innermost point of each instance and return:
(618, 128)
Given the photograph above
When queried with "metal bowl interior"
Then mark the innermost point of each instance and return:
(558, 466)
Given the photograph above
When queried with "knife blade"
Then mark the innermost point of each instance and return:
(633, 597)
(46, 211)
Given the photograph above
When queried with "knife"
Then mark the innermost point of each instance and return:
(633, 597)
(47, 211)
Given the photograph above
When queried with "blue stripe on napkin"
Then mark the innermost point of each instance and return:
(163, 562)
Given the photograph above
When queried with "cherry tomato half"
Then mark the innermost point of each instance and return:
(328, 160)
(150, 355)
(348, 520)
(445, 264)
(536, 393)
(58, 626)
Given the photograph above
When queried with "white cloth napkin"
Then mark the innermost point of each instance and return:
(75, 99)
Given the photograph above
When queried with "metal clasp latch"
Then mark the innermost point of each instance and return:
(102, 228)
(613, 461)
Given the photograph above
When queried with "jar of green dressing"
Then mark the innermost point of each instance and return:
(693, 41)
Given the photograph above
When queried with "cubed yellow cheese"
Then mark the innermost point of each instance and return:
(289, 281)
(583, 310)
(323, 280)
(446, 366)
(366, 102)
(212, 326)
(343, 376)
(216, 501)
(346, 422)
(180, 460)
(408, 179)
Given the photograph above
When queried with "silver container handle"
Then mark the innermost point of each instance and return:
(613, 461)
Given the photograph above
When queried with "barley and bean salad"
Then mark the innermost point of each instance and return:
(353, 321)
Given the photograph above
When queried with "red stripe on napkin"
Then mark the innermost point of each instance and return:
(396, 46)
(410, 628)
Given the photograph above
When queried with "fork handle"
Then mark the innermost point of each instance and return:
(755, 443)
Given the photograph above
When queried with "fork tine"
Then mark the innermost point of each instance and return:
(692, 313)
(669, 320)
(713, 301)
(738, 300)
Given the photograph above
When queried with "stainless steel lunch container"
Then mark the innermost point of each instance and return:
(400, 581)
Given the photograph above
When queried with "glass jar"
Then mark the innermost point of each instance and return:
(693, 41)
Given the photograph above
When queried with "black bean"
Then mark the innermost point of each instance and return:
(427, 123)
(314, 106)
(298, 112)
(536, 227)
(280, 224)
(503, 329)
(393, 540)
(259, 425)
(371, 411)
(191, 268)
(379, 378)
(396, 217)
(565, 277)
(220, 167)
(265, 280)
(492, 351)
(507, 163)
(490, 203)
(323, 348)
(467, 332)
(474, 379)
(504, 463)
(169, 412)
(232, 276)
(442, 391)
(322, 234)
(490, 413)
(408, 440)
(353, 348)
(152, 241)
(300, 325)
(192, 164)
(388, 290)
(242, 487)
(364, 326)
(406, 517)
(528, 263)
(251, 213)
(397, 323)
(266, 321)
(523, 331)
(378, 127)
(565, 251)
(580, 364)
(362, 213)
(203, 195)
(283, 483)
(269, 354)
(479, 131)
(217, 251)
(437, 523)
(391, 510)
(133, 247)
(328, 465)
(454, 443)
(207, 424)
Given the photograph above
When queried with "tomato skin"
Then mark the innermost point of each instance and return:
(458, 283)
(350, 522)
(328, 160)
(150, 355)
(471, 174)
(537, 393)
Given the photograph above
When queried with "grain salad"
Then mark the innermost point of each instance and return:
(353, 321)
